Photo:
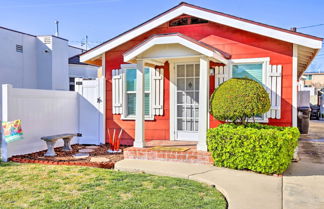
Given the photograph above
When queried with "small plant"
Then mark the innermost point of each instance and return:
(239, 99)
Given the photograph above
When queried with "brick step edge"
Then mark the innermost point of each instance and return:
(186, 157)
(108, 165)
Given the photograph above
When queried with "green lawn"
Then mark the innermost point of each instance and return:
(41, 186)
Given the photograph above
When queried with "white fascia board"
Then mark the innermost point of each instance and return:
(250, 60)
(170, 40)
(132, 34)
(258, 29)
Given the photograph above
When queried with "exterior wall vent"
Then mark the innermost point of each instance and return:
(19, 48)
(186, 20)
(47, 40)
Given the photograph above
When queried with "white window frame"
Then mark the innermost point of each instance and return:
(124, 115)
(265, 61)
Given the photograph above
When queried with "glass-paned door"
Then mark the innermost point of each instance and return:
(187, 101)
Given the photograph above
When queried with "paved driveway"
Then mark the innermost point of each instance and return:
(303, 182)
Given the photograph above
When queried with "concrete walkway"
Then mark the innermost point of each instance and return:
(242, 189)
(303, 182)
(303, 186)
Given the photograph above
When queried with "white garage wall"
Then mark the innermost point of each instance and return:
(72, 51)
(83, 71)
(42, 112)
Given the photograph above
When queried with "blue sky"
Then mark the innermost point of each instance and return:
(104, 19)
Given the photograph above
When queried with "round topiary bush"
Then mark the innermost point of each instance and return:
(239, 99)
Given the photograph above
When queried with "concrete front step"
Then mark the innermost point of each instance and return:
(189, 156)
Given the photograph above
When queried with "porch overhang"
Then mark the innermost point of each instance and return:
(172, 42)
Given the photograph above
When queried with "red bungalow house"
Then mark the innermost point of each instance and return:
(169, 66)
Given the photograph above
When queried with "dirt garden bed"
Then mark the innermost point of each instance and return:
(98, 157)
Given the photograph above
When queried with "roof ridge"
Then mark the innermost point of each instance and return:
(185, 4)
(251, 21)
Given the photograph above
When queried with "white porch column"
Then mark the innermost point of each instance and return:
(139, 122)
(203, 104)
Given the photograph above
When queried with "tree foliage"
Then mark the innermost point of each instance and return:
(238, 100)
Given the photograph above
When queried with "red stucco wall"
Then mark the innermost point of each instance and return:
(239, 43)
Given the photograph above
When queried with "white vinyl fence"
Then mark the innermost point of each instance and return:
(42, 113)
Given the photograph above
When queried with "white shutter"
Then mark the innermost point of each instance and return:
(157, 91)
(221, 75)
(117, 91)
(274, 89)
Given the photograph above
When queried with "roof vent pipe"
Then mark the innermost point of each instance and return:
(57, 28)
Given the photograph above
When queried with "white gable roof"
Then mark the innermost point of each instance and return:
(177, 38)
(213, 16)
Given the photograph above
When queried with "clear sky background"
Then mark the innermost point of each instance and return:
(104, 19)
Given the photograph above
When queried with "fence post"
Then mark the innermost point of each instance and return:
(6, 88)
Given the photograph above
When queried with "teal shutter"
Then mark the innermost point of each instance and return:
(252, 71)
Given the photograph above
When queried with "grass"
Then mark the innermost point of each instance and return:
(43, 186)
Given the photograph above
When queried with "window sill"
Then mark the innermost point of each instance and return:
(258, 120)
(263, 120)
(134, 118)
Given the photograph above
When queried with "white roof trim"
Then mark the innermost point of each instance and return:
(172, 39)
(213, 17)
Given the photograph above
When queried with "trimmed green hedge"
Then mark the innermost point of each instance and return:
(261, 148)
(239, 99)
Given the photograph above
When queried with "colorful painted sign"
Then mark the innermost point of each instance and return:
(12, 130)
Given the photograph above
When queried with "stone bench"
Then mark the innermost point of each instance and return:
(51, 140)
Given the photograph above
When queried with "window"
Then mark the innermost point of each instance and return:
(130, 78)
(309, 77)
(71, 82)
(254, 69)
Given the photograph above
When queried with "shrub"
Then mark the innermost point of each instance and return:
(261, 148)
(239, 99)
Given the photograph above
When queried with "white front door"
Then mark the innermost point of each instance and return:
(90, 113)
(187, 101)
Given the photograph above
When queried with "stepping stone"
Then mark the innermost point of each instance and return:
(81, 155)
(92, 147)
(99, 160)
(86, 150)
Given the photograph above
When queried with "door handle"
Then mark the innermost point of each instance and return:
(99, 100)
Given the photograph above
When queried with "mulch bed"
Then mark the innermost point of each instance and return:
(66, 158)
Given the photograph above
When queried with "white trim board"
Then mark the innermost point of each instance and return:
(294, 85)
(208, 15)
(173, 39)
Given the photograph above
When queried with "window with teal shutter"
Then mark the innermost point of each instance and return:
(252, 71)
(131, 91)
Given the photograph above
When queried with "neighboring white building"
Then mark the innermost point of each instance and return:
(39, 62)
(78, 69)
